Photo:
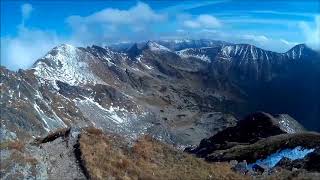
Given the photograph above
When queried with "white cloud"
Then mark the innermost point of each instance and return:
(278, 45)
(141, 13)
(105, 26)
(203, 21)
(111, 24)
(22, 50)
(188, 5)
(209, 21)
(191, 24)
(285, 41)
(288, 43)
(257, 38)
(180, 30)
(26, 10)
(137, 23)
(311, 33)
(29, 45)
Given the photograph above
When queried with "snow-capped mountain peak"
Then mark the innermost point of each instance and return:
(66, 63)
(61, 53)
(297, 51)
(153, 46)
(194, 53)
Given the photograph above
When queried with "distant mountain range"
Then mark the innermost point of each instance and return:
(180, 91)
(174, 45)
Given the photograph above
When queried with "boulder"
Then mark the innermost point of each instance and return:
(258, 168)
(241, 167)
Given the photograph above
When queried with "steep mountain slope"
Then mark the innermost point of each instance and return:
(95, 86)
(91, 154)
(273, 82)
(178, 95)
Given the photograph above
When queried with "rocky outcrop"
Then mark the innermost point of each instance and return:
(265, 147)
(310, 163)
(90, 153)
(171, 88)
(253, 145)
(251, 129)
(178, 92)
(47, 157)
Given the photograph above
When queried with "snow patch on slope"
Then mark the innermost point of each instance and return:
(295, 52)
(130, 124)
(49, 123)
(139, 60)
(67, 64)
(293, 154)
(288, 124)
(186, 53)
(153, 46)
(226, 51)
(110, 113)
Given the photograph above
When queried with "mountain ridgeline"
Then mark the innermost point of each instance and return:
(180, 91)
(269, 81)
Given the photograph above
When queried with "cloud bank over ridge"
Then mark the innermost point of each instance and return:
(141, 22)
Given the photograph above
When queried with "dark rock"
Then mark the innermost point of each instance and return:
(285, 163)
(258, 168)
(60, 133)
(189, 148)
(310, 163)
(261, 149)
(313, 161)
(249, 130)
(291, 165)
(134, 50)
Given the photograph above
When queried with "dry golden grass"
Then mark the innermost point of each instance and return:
(283, 174)
(108, 156)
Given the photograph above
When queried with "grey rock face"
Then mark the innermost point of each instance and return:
(177, 91)
(182, 95)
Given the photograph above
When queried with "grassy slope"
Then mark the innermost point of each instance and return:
(109, 156)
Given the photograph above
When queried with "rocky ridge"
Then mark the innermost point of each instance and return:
(178, 92)
(260, 136)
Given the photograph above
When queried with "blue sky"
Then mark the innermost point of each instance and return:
(33, 27)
